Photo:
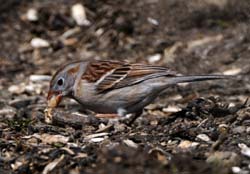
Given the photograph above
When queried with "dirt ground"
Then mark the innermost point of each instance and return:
(200, 128)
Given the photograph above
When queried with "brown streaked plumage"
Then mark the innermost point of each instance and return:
(111, 87)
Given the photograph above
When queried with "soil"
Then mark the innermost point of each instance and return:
(193, 128)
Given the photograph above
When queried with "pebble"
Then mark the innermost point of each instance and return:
(154, 58)
(245, 150)
(39, 43)
(153, 21)
(236, 169)
(96, 140)
(8, 112)
(32, 15)
(17, 89)
(203, 137)
(185, 144)
(171, 109)
(130, 143)
(248, 130)
(233, 71)
(37, 78)
(79, 15)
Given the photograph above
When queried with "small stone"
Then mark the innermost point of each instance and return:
(236, 169)
(203, 137)
(248, 130)
(234, 71)
(32, 15)
(171, 109)
(79, 15)
(39, 43)
(245, 150)
(153, 21)
(119, 127)
(17, 89)
(96, 140)
(187, 144)
(130, 143)
(38, 78)
(154, 58)
(7, 112)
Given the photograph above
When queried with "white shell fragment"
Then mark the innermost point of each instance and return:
(245, 150)
(130, 143)
(32, 15)
(154, 58)
(39, 43)
(79, 15)
(236, 169)
(38, 78)
(185, 144)
(152, 21)
(49, 167)
(171, 109)
(97, 140)
(233, 71)
(203, 137)
(96, 135)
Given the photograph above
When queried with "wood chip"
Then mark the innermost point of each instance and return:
(130, 143)
(49, 167)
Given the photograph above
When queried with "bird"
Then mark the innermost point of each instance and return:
(112, 88)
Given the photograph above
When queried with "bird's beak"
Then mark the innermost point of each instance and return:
(54, 98)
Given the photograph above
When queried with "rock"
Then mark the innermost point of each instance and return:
(17, 89)
(130, 143)
(203, 137)
(39, 43)
(154, 58)
(187, 144)
(7, 112)
(245, 150)
(152, 21)
(233, 71)
(171, 109)
(79, 15)
(38, 78)
(32, 15)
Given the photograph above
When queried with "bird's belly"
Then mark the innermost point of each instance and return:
(131, 98)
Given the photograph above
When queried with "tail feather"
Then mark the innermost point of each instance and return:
(194, 78)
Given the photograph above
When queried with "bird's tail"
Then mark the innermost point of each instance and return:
(195, 78)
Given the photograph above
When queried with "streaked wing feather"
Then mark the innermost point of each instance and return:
(127, 75)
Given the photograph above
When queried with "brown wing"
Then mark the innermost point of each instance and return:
(113, 75)
(96, 69)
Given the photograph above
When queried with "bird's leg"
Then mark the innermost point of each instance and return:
(134, 117)
(120, 113)
(106, 115)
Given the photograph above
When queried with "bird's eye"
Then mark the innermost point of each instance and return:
(60, 82)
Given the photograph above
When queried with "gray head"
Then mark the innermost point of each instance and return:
(62, 82)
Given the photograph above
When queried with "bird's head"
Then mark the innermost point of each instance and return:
(61, 84)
